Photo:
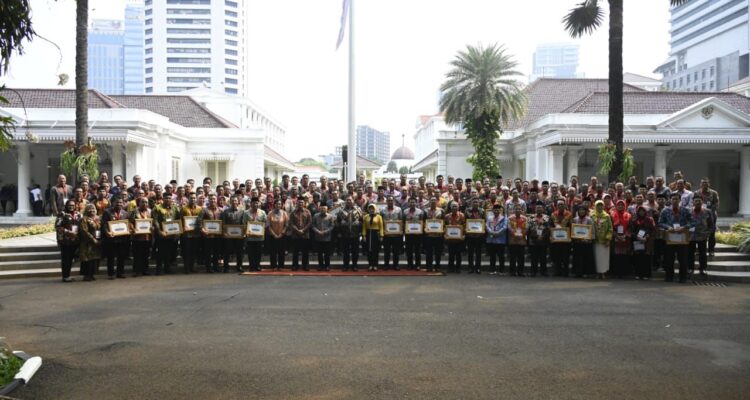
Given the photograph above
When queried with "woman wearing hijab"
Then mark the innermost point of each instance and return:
(602, 238)
(372, 231)
(90, 249)
(583, 253)
(641, 229)
(622, 244)
(66, 226)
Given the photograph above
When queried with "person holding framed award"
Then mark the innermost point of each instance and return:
(90, 251)
(517, 228)
(676, 222)
(115, 246)
(455, 245)
(211, 241)
(703, 218)
(433, 241)
(583, 248)
(559, 251)
(474, 240)
(373, 232)
(66, 226)
(190, 241)
(602, 238)
(497, 238)
(393, 239)
(142, 236)
(254, 241)
(538, 234)
(166, 212)
(641, 229)
(234, 215)
(413, 217)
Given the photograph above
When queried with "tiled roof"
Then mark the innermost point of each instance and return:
(549, 96)
(655, 102)
(740, 82)
(181, 110)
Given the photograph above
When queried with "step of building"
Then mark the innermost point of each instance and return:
(39, 255)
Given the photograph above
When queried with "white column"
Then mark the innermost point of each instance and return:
(555, 168)
(530, 160)
(442, 167)
(574, 154)
(660, 161)
(118, 168)
(24, 180)
(744, 181)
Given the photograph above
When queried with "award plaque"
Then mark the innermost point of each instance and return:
(639, 246)
(172, 228)
(143, 226)
(188, 223)
(454, 232)
(676, 238)
(475, 226)
(433, 226)
(233, 232)
(414, 228)
(581, 231)
(559, 235)
(393, 228)
(119, 228)
(213, 226)
(256, 229)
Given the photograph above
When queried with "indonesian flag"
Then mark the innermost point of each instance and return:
(344, 17)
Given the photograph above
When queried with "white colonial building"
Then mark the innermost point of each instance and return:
(158, 137)
(700, 134)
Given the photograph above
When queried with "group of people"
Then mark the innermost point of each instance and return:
(579, 229)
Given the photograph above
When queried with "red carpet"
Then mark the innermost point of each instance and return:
(338, 272)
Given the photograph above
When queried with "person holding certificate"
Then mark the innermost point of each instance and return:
(433, 241)
(497, 238)
(413, 216)
(392, 241)
(278, 221)
(142, 237)
(166, 212)
(703, 219)
(90, 251)
(641, 229)
(538, 234)
(622, 240)
(559, 251)
(603, 238)
(191, 238)
(115, 246)
(254, 242)
(455, 245)
(211, 241)
(373, 232)
(233, 215)
(517, 226)
(349, 226)
(66, 226)
(474, 240)
(583, 248)
(676, 222)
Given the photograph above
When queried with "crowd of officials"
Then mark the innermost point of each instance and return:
(581, 229)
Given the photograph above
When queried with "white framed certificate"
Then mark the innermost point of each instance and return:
(143, 226)
(475, 226)
(188, 223)
(172, 228)
(393, 228)
(213, 226)
(255, 229)
(559, 235)
(677, 238)
(233, 232)
(414, 227)
(581, 231)
(119, 228)
(454, 232)
(74, 229)
(434, 226)
(639, 246)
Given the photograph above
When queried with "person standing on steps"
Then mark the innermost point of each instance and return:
(66, 226)
(372, 231)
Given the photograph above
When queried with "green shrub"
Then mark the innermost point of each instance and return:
(742, 233)
(27, 230)
(8, 369)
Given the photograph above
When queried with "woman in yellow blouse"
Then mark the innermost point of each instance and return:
(602, 238)
(372, 231)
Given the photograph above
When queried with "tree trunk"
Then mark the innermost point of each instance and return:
(616, 116)
(82, 105)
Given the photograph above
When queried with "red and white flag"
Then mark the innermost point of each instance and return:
(344, 17)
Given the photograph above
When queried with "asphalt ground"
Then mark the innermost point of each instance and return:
(224, 336)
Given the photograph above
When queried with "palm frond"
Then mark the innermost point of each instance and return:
(584, 18)
(676, 3)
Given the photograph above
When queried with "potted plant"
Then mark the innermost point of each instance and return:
(16, 368)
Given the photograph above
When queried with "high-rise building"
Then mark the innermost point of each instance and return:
(373, 144)
(192, 43)
(115, 49)
(709, 46)
(555, 60)
(105, 56)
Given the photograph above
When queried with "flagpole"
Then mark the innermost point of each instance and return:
(351, 173)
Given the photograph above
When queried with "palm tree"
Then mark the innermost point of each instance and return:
(585, 18)
(482, 94)
(82, 104)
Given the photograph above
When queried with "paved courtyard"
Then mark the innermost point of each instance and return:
(468, 337)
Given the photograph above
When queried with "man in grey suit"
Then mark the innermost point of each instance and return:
(59, 195)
